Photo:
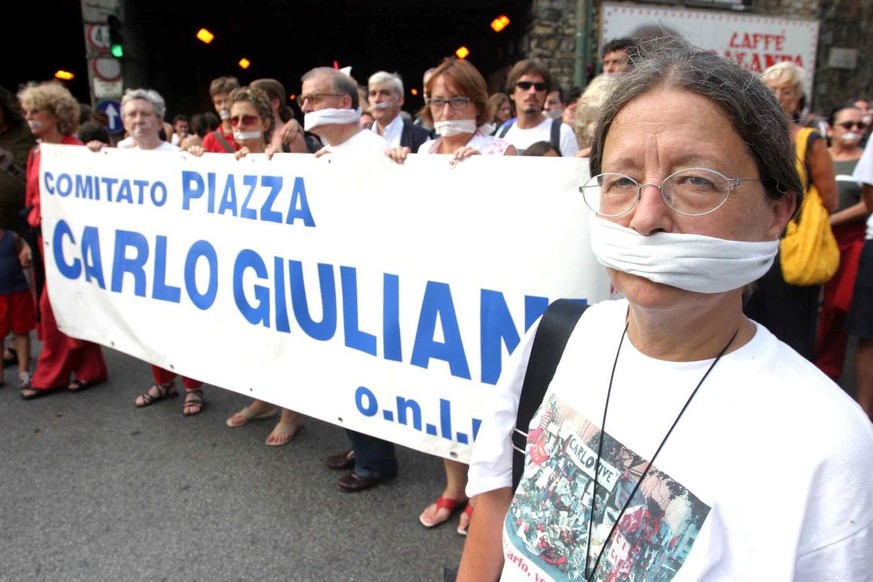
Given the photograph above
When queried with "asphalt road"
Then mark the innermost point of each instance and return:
(93, 489)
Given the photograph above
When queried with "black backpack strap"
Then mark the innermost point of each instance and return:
(551, 337)
(505, 127)
(556, 135)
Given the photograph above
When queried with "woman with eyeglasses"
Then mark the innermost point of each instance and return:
(457, 107)
(791, 311)
(253, 122)
(848, 223)
(663, 448)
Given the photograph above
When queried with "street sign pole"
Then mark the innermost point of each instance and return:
(104, 71)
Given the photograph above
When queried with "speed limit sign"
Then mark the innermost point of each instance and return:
(98, 36)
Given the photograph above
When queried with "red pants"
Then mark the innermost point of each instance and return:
(62, 355)
(163, 376)
(831, 341)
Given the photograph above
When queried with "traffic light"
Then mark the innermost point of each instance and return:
(116, 41)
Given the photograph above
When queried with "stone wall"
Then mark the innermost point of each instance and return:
(846, 31)
(552, 37)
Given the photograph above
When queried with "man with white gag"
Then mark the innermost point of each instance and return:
(142, 112)
(329, 101)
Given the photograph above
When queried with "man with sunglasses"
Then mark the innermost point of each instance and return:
(527, 85)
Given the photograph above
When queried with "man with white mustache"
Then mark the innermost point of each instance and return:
(385, 93)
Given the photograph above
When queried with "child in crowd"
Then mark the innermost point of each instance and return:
(17, 310)
(542, 148)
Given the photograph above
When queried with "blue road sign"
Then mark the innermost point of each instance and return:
(112, 109)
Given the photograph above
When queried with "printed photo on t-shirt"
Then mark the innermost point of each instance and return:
(637, 533)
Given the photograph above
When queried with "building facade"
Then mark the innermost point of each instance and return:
(843, 56)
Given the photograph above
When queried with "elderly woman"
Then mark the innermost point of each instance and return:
(64, 363)
(662, 448)
(791, 311)
(457, 107)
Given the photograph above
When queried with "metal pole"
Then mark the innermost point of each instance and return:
(581, 45)
(589, 12)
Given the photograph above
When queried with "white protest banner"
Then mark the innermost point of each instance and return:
(752, 41)
(380, 297)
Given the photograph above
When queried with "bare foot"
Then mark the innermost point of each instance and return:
(440, 510)
(289, 425)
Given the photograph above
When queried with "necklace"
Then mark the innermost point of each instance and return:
(590, 575)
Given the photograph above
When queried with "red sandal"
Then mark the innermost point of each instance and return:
(441, 503)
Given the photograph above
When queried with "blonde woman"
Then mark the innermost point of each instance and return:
(253, 122)
(65, 363)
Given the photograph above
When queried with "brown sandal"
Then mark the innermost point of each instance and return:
(167, 390)
(194, 401)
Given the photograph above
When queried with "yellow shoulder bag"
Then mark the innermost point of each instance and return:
(808, 251)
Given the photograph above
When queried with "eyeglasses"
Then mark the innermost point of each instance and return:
(245, 119)
(314, 98)
(850, 124)
(456, 103)
(692, 192)
(526, 85)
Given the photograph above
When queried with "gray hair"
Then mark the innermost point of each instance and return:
(384, 78)
(340, 83)
(149, 95)
(757, 118)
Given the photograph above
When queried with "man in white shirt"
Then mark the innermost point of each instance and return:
(527, 85)
(142, 112)
(329, 101)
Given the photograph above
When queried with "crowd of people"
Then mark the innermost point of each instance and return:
(719, 146)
